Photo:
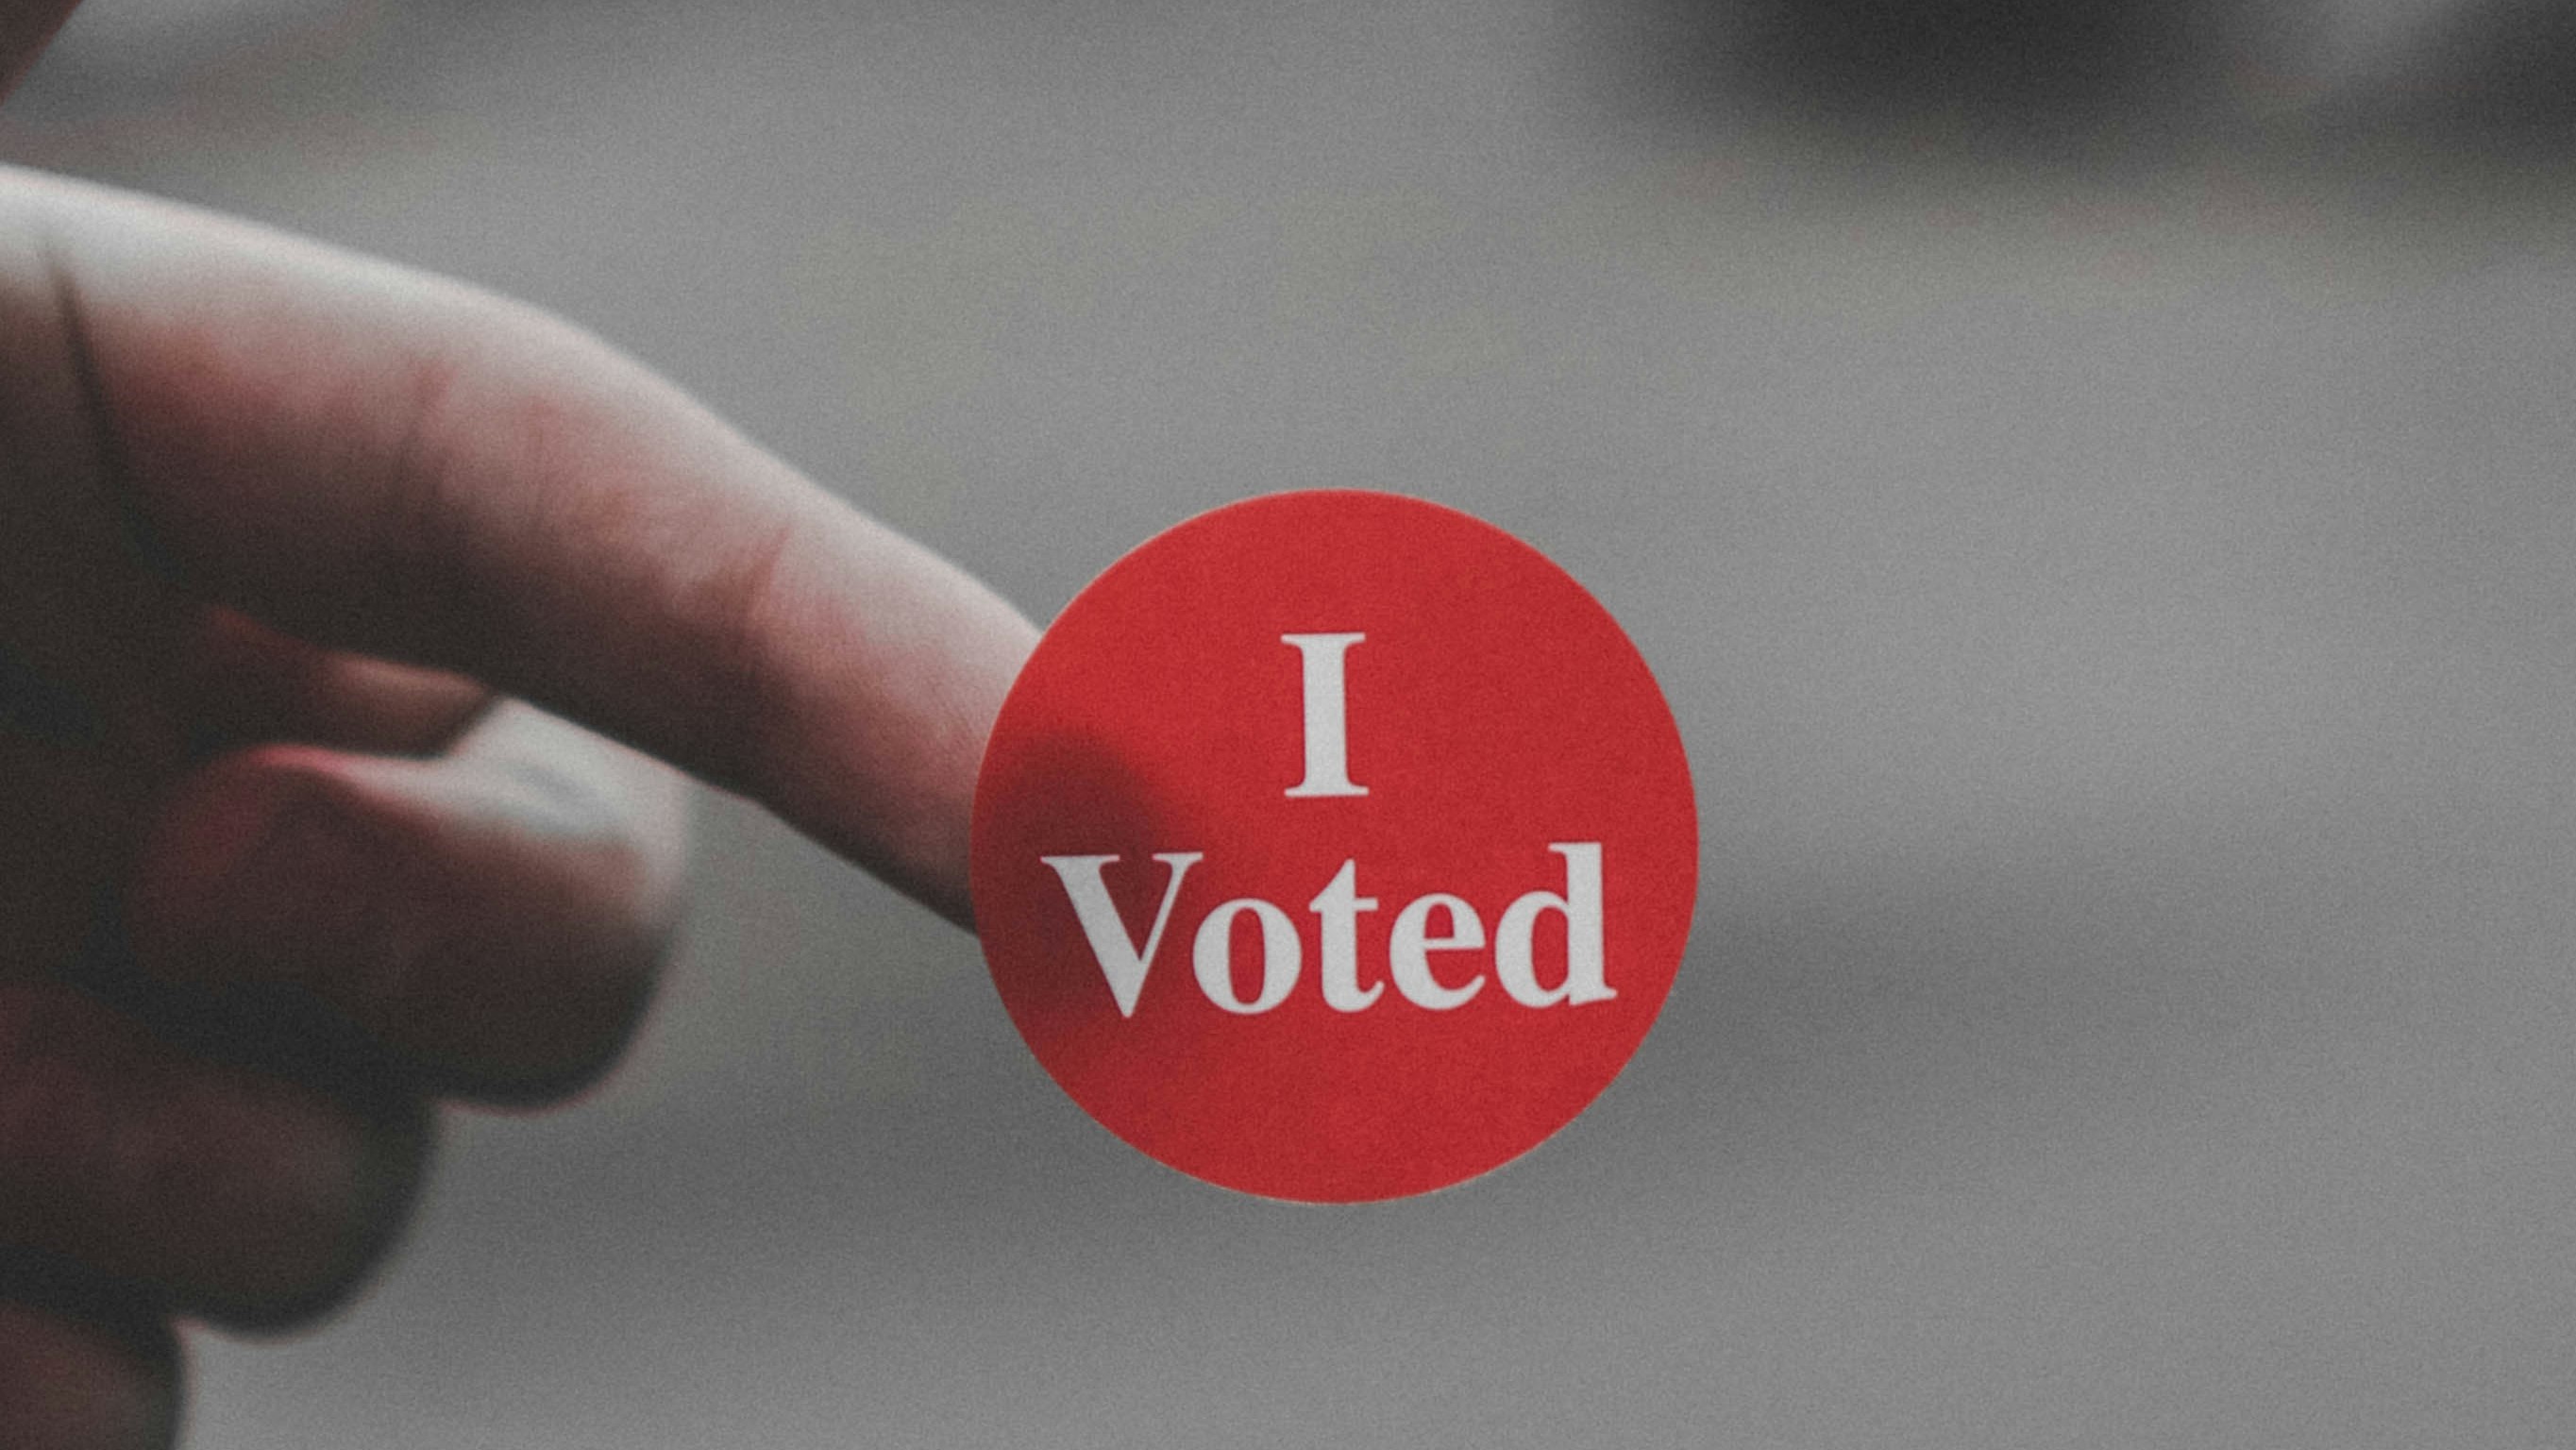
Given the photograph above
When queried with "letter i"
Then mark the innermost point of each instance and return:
(1328, 769)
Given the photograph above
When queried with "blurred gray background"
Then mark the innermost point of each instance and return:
(2093, 479)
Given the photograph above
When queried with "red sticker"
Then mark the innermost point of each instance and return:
(1334, 846)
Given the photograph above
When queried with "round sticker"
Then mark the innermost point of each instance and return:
(1334, 846)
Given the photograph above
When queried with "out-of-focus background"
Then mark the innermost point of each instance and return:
(2094, 480)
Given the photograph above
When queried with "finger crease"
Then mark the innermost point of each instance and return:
(99, 413)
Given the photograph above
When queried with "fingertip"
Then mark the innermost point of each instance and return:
(364, 1186)
(884, 696)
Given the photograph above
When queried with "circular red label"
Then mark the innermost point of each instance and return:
(1334, 846)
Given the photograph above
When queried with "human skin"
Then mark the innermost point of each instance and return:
(308, 565)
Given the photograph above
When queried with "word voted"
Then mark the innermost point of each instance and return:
(1411, 939)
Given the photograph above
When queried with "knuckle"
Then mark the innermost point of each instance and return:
(737, 618)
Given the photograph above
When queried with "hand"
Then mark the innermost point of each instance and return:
(295, 549)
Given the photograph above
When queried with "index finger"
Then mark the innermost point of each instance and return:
(385, 461)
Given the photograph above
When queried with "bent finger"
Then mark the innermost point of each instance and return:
(234, 1193)
(493, 917)
(404, 466)
(81, 1366)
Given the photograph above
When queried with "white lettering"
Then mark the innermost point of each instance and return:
(1409, 944)
(1328, 769)
(1119, 959)
(1408, 951)
(1581, 908)
(1213, 955)
(1339, 906)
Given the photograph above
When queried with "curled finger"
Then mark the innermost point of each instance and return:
(491, 918)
